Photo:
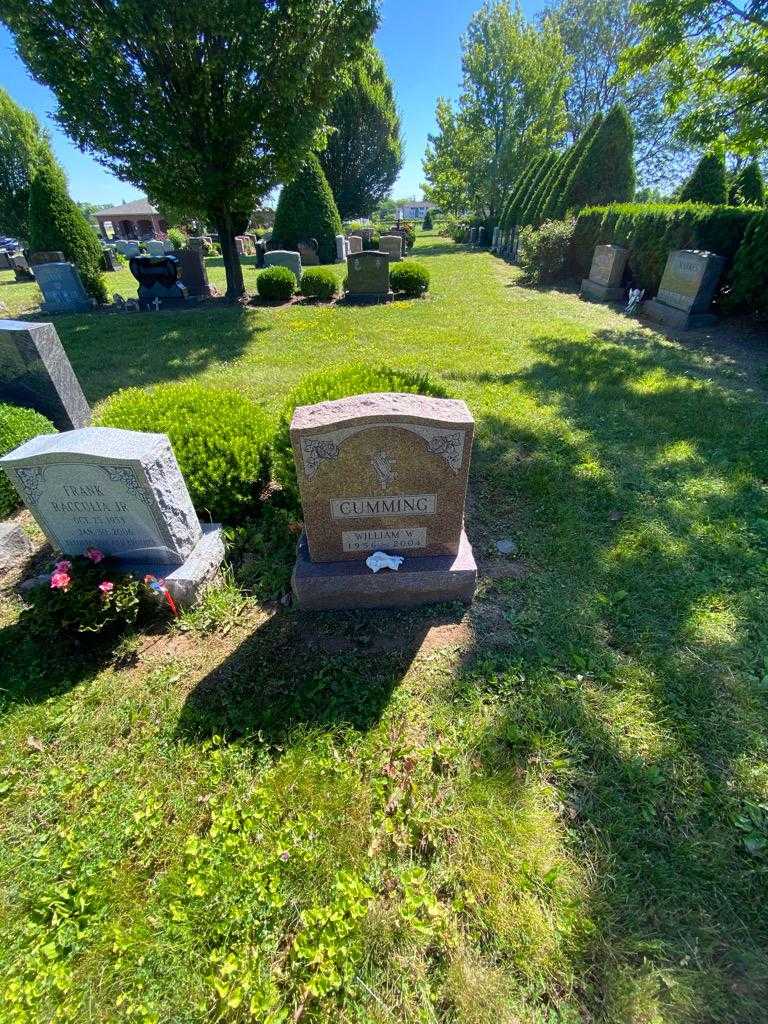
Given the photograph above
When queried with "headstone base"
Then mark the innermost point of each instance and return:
(187, 582)
(368, 298)
(327, 586)
(170, 297)
(661, 313)
(595, 292)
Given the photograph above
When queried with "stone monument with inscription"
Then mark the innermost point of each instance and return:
(120, 491)
(62, 289)
(383, 473)
(368, 277)
(284, 258)
(35, 373)
(355, 244)
(686, 291)
(604, 283)
(392, 245)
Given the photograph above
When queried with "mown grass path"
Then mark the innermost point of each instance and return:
(552, 808)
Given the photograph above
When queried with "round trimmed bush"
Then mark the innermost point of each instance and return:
(326, 386)
(409, 277)
(276, 284)
(17, 426)
(220, 439)
(319, 283)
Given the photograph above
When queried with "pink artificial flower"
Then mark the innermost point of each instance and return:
(63, 566)
(95, 555)
(60, 581)
(106, 587)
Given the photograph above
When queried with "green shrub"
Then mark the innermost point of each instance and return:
(220, 439)
(427, 222)
(707, 184)
(319, 283)
(606, 171)
(57, 224)
(276, 284)
(554, 208)
(544, 251)
(177, 238)
(748, 187)
(539, 200)
(326, 386)
(409, 277)
(307, 209)
(407, 231)
(17, 425)
(510, 209)
(652, 230)
(749, 276)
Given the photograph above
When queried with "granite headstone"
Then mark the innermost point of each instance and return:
(393, 246)
(606, 274)
(368, 277)
(355, 243)
(21, 269)
(192, 272)
(284, 258)
(36, 258)
(688, 285)
(159, 284)
(155, 247)
(62, 289)
(341, 253)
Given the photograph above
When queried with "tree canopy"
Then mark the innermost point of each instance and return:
(22, 147)
(747, 187)
(511, 108)
(364, 153)
(207, 110)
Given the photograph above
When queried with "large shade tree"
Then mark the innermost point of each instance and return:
(364, 154)
(207, 109)
(23, 146)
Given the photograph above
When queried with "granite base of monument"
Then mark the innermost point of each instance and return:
(367, 298)
(187, 582)
(594, 292)
(678, 319)
(425, 579)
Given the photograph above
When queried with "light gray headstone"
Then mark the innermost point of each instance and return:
(155, 247)
(15, 546)
(346, 248)
(608, 265)
(117, 490)
(131, 249)
(355, 243)
(62, 289)
(284, 258)
(392, 245)
(341, 253)
(35, 373)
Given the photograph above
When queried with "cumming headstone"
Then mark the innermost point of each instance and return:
(62, 289)
(35, 373)
(368, 277)
(155, 247)
(686, 291)
(606, 274)
(383, 472)
(392, 245)
(341, 253)
(284, 258)
(120, 491)
(355, 243)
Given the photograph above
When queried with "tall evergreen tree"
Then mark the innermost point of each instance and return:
(708, 183)
(517, 193)
(539, 202)
(306, 209)
(606, 171)
(554, 209)
(748, 187)
(528, 204)
(23, 146)
(57, 224)
(364, 154)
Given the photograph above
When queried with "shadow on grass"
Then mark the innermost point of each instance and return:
(139, 349)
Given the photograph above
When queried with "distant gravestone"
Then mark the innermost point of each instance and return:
(159, 284)
(46, 257)
(120, 491)
(35, 373)
(5, 260)
(131, 249)
(686, 291)
(284, 258)
(481, 235)
(155, 247)
(21, 269)
(261, 251)
(308, 253)
(346, 248)
(392, 245)
(368, 277)
(606, 274)
(495, 239)
(355, 243)
(168, 246)
(192, 272)
(472, 236)
(341, 252)
(383, 472)
(62, 289)
(109, 260)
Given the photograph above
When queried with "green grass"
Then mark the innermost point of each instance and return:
(551, 809)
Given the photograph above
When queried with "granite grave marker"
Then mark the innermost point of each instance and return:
(686, 291)
(355, 244)
(368, 277)
(284, 258)
(606, 274)
(392, 245)
(62, 289)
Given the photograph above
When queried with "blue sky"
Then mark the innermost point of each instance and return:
(419, 40)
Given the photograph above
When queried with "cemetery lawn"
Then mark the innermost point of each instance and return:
(550, 808)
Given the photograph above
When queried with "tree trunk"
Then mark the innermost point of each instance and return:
(232, 268)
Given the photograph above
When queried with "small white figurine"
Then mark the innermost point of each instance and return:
(635, 298)
(378, 560)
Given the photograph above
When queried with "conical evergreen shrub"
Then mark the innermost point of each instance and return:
(748, 187)
(56, 224)
(306, 209)
(749, 274)
(539, 202)
(707, 184)
(528, 205)
(511, 207)
(555, 209)
(606, 171)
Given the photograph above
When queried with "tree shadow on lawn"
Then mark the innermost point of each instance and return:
(649, 531)
(139, 349)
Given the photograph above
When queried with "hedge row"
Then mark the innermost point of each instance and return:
(652, 230)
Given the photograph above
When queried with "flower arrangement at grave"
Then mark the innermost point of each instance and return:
(88, 595)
